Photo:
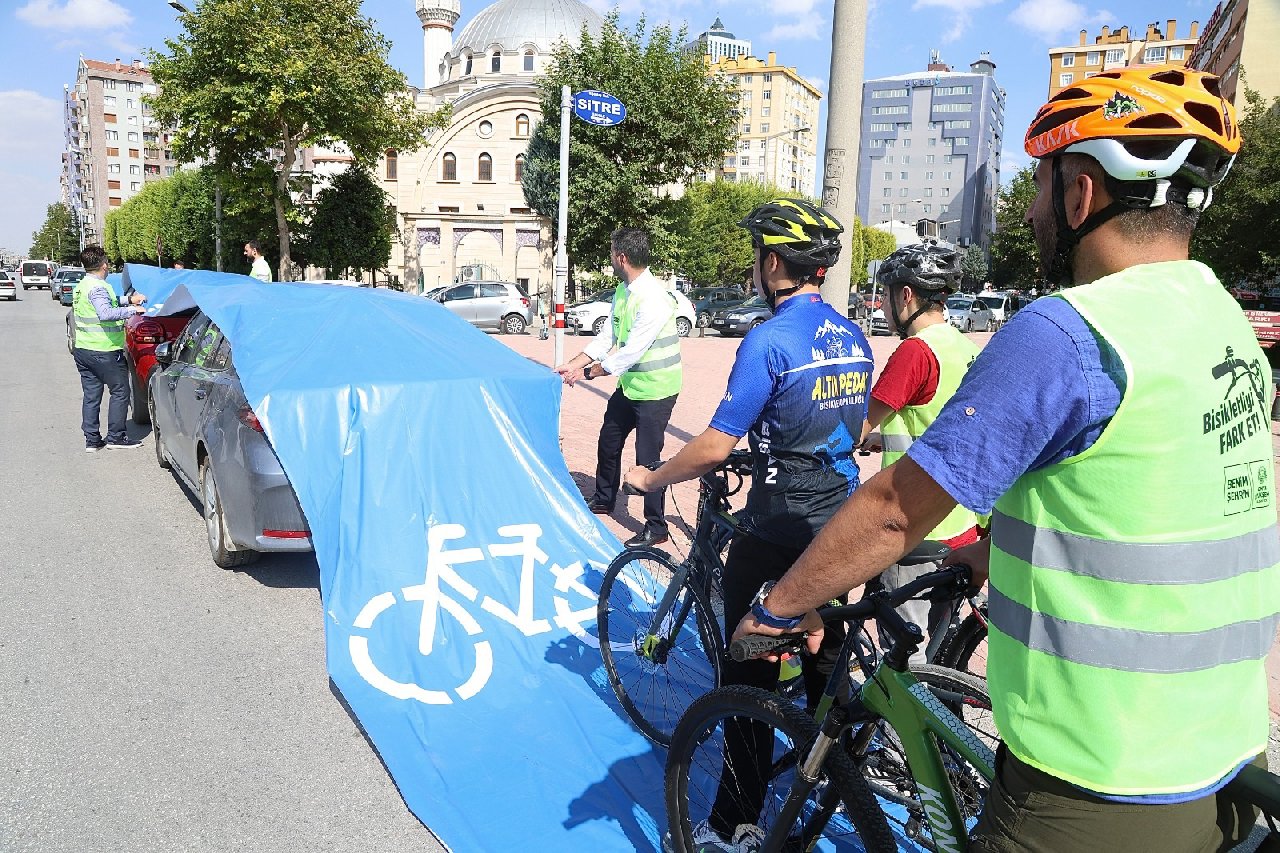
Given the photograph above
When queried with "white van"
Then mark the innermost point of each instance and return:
(1003, 304)
(36, 274)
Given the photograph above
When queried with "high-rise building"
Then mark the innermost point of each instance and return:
(113, 144)
(1118, 49)
(718, 43)
(930, 150)
(777, 125)
(1240, 36)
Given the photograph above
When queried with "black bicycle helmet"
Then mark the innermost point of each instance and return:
(799, 231)
(926, 268)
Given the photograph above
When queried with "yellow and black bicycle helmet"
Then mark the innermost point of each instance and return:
(799, 231)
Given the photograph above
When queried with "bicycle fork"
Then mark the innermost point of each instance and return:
(808, 774)
(657, 642)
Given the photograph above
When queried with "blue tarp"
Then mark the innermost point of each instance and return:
(458, 563)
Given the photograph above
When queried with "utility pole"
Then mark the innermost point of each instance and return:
(844, 128)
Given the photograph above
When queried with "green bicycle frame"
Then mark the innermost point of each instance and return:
(918, 717)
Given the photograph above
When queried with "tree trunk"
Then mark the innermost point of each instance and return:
(280, 197)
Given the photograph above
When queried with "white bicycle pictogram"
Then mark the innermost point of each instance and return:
(441, 574)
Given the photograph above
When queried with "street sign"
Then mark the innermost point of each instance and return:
(601, 108)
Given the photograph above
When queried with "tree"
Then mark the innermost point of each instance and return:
(58, 238)
(707, 244)
(1236, 235)
(874, 245)
(1015, 260)
(251, 82)
(680, 121)
(353, 224)
(973, 265)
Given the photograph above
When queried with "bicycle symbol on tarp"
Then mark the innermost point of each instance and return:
(443, 586)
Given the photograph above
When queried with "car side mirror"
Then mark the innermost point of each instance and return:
(163, 353)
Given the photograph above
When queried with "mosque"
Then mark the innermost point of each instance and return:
(460, 203)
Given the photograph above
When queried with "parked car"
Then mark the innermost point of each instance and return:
(708, 300)
(142, 334)
(1003, 305)
(591, 316)
(498, 305)
(35, 274)
(968, 313)
(8, 287)
(857, 306)
(63, 286)
(879, 323)
(206, 433)
(736, 320)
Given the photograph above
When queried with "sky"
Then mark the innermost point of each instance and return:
(41, 40)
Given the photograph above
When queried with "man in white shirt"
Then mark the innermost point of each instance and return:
(638, 344)
(261, 270)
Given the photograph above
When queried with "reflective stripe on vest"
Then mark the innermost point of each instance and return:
(90, 333)
(659, 373)
(900, 429)
(1135, 587)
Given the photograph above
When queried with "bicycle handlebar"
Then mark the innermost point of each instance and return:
(738, 463)
(945, 584)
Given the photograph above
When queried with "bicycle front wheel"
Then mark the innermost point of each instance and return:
(733, 765)
(657, 662)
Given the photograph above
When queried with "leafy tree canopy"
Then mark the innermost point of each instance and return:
(1015, 260)
(680, 121)
(250, 82)
(58, 239)
(352, 225)
(708, 246)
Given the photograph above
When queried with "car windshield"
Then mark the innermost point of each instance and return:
(992, 301)
(753, 302)
(959, 302)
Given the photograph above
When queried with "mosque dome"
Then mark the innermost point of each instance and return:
(513, 23)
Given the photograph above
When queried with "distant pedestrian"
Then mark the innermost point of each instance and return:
(179, 265)
(261, 270)
(639, 344)
(98, 348)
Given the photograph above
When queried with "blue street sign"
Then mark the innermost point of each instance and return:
(599, 108)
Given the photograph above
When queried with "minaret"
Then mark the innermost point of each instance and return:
(438, 18)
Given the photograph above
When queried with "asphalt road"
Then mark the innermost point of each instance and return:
(150, 701)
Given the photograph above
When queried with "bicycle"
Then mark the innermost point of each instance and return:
(898, 737)
(655, 661)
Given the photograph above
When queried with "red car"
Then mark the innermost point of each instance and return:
(141, 335)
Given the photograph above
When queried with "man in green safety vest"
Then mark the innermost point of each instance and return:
(98, 347)
(640, 346)
(920, 377)
(1126, 459)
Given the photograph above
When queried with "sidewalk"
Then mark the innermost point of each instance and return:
(707, 361)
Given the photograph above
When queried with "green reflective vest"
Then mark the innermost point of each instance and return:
(1135, 586)
(955, 353)
(90, 332)
(658, 374)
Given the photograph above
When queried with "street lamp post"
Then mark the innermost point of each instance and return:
(770, 138)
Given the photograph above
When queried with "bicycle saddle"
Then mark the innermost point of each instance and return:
(927, 551)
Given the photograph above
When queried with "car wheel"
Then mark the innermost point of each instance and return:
(141, 408)
(598, 326)
(513, 324)
(704, 320)
(756, 322)
(216, 525)
(156, 438)
(683, 327)
(968, 326)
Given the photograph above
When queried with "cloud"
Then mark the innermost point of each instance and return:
(31, 144)
(806, 30)
(1051, 20)
(961, 12)
(74, 14)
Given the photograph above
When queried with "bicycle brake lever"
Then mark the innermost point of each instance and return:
(754, 645)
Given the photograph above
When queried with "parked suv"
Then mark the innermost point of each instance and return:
(496, 305)
(968, 313)
(1003, 305)
(591, 316)
(708, 300)
(63, 287)
(738, 319)
(207, 434)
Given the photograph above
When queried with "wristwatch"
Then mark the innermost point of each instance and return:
(764, 617)
(586, 371)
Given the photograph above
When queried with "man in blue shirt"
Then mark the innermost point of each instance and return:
(798, 391)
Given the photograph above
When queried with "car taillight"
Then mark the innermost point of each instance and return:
(524, 300)
(149, 332)
(249, 419)
(287, 534)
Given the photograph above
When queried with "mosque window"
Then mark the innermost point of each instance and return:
(528, 60)
(484, 168)
(391, 164)
(522, 125)
(495, 62)
(484, 129)
(450, 170)
(466, 68)
(519, 168)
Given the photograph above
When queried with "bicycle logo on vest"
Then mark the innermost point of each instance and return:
(441, 576)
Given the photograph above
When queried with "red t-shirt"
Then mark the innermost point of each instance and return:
(910, 378)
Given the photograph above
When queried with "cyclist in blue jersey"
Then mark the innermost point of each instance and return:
(798, 392)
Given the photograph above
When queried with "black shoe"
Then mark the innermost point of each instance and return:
(646, 539)
(599, 507)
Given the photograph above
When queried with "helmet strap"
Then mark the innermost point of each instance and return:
(1060, 271)
(904, 328)
(771, 296)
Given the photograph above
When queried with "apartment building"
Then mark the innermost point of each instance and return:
(1118, 49)
(777, 125)
(718, 43)
(113, 144)
(930, 150)
(1239, 37)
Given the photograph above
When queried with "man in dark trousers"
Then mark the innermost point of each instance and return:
(639, 345)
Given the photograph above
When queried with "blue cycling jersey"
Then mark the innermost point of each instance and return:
(798, 391)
